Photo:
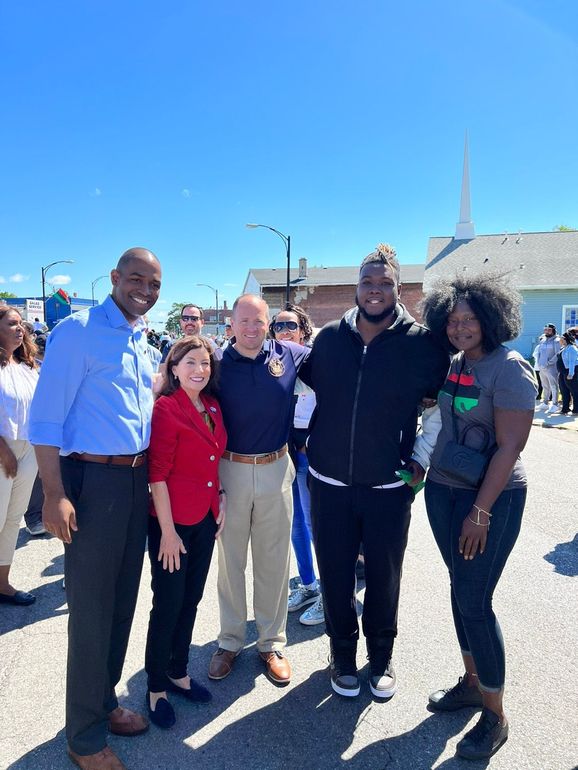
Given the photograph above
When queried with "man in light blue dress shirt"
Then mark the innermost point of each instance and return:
(90, 425)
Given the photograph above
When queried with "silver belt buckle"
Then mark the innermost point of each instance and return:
(134, 459)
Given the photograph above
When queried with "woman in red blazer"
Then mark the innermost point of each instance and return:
(187, 514)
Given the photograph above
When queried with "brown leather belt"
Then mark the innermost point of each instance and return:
(255, 459)
(133, 460)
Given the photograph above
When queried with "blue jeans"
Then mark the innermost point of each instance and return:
(301, 535)
(473, 581)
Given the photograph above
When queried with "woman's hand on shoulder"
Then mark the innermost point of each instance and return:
(474, 536)
(170, 550)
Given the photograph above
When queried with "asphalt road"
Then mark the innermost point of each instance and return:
(253, 724)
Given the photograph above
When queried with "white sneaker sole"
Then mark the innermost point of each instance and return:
(311, 621)
(306, 603)
(383, 693)
(345, 692)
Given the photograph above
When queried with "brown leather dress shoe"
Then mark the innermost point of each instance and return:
(278, 668)
(221, 663)
(104, 760)
(127, 723)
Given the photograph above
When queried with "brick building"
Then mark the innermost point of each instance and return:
(325, 293)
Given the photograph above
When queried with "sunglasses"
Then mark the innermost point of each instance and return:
(281, 326)
(190, 318)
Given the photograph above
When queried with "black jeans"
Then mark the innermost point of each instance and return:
(343, 519)
(568, 391)
(473, 582)
(102, 566)
(176, 596)
(33, 513)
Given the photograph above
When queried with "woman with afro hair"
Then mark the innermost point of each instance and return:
(487, 403)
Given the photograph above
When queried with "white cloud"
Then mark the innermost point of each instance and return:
(61, 279)
(2, 279)
(185, 192)
(96, 193)
(162, 302)
(230, 285)
(18, 278)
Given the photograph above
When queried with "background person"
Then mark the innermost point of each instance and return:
(547, 350)
(567, 365)
(33, 515)
(188, 512)
(293, 324)
(18, 379)
(493, 388)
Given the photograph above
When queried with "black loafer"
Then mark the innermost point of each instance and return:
(164, 714)
(459, 696)
(196, 693)
(483, 740)
(21, 598)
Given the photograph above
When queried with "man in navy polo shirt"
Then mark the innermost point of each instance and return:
(256, 395)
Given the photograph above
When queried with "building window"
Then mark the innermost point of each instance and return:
(569, 316)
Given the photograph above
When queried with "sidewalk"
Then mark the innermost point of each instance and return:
(560, 421)
(253, 724)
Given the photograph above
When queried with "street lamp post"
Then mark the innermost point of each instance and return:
(287, 241)
(93, 284)
(44, 271)
(216, 301)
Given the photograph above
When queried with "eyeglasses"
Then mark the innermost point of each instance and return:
(190, 318)
(280, 326)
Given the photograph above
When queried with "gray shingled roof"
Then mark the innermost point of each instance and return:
(534, 260)
(327, 276)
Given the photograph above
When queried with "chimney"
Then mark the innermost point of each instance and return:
(302, 268)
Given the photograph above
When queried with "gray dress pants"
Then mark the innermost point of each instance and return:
(102, 567)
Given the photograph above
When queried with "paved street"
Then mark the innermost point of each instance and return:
(253, 724)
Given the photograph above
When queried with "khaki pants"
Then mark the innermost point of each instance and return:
(14, 497)
(259, 510)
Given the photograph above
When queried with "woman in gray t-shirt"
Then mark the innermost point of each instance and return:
(486, 404)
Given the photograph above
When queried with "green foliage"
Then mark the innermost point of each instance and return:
(172, 323)
(7, 295)
(563, 229)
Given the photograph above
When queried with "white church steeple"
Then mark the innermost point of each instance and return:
(465, 227)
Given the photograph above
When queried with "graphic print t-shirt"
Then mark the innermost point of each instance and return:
(500, 379)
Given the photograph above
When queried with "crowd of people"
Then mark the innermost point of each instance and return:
(273, 439)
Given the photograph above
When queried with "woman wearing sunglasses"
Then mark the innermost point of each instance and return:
(293, 324)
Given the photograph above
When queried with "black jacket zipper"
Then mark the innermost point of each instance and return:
(354, 414)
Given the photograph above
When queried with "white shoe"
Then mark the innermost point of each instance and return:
(553, 409)
(541, 407)
(301, 597)
(313, 615)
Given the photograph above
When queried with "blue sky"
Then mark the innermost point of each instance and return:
(172, 125)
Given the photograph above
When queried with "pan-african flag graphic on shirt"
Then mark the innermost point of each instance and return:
(467, 394)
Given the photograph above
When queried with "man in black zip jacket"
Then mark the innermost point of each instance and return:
(370, 372)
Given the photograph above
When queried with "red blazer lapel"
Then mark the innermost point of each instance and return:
(198, 423)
